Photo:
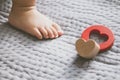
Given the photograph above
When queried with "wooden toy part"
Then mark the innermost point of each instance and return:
(104, 31)
(87, 49)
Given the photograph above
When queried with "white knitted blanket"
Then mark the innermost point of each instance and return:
(23, 57)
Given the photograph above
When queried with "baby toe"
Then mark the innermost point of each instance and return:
(37, 33)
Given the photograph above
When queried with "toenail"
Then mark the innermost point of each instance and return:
(56, 36)
(52, 36)
(60, 31)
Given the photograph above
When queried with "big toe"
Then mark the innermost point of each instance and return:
(58, 29)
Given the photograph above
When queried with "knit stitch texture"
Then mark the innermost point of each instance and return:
(23, 57)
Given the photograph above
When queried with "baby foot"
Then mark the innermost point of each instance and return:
(34, 23)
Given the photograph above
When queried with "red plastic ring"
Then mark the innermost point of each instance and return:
(104, 31)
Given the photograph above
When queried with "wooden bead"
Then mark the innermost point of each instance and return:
(87, 49)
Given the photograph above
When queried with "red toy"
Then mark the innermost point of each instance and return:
(104, 31)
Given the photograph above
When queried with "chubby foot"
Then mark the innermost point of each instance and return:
(33, 22)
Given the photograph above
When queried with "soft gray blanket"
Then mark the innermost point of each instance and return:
(23, 57)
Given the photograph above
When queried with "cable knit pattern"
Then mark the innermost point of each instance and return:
(23, 57)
